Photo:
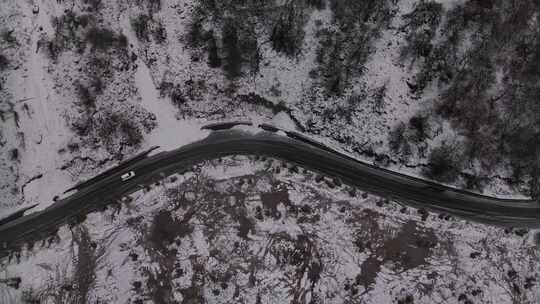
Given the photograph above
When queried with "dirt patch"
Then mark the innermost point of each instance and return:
(165, 229)
(368, 272)
(86, 263)
(271, 200)
(246, 225)
(237, 210)
(218, 209)
(369, 236)
(303, 255)
(409, 248)
(160, 286)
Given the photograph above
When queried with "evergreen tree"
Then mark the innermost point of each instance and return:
(214, 60)
(233, 56)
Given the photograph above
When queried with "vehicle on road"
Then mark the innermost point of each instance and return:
(127, 176)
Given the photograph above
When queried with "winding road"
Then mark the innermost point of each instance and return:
(291, 147)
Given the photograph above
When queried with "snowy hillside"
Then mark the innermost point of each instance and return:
(86, 83)
(445, 90)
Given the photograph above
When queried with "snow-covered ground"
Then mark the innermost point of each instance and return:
(236, 230)
(71, 107)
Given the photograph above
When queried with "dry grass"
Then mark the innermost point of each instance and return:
(69, 283)
(85, 264)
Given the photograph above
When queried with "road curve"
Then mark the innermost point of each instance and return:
(317, 157)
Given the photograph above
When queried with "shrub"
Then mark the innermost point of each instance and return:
(131, 133)
(214, 60)
(4, 62)
(106, 126)
(104, 39)
(143, 25)
(445, 164)
(524, 145)
(331, 71)
(68, 33)
(93, 5)
(53, 49)
(8, 37)
(165, 228)
(344, 50)
(160, 33)
(288, 32)
(378, 98)
(534, 183)
(14, 154)
(98, 68)
(174, 91)
(233, 56)
(398, 142)
(474, 182)
(140, 26)
(81, 126)
(152, 5)
(88, 100)
(177, 96)
(249, 47)
(195, 35)
(121, 41)
(85, 264)
(420, 126)
(239, 23)
(97, 84)
(318, 4)
(347, 13)
(165, 88)
(30, 296)
(422, 24)
(114, 129)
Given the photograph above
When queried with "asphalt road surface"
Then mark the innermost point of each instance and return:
(292, 147)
